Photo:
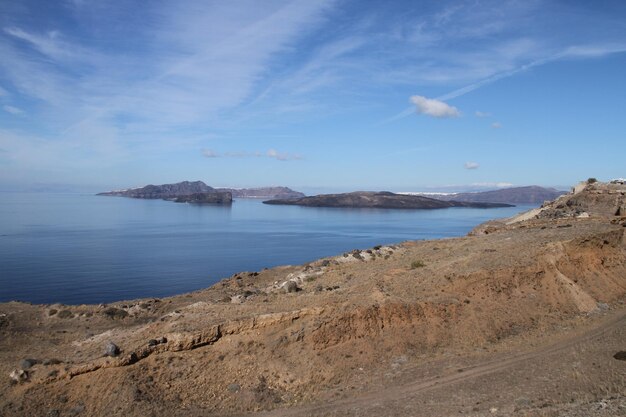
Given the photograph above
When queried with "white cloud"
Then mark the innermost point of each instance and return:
(482, 114)
(492, 184)
(12, 110)
(433, 107)
(282, 156)
(271, 153)
(209, 153)
(471, 165)
(496, 125)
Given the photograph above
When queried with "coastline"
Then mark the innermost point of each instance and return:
(352, 327)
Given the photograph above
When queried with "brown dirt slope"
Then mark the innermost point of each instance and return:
(523, 320)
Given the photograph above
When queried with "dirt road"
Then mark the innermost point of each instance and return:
(468, 380)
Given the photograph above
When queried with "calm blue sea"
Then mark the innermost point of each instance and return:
(76, 248)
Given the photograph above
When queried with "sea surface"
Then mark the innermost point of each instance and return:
(78, 248)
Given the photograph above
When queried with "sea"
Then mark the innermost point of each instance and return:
(81, 249)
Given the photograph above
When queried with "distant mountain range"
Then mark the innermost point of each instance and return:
(199, 192)
(531, 195)
(384, 199)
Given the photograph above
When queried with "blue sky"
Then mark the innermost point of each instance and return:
(328, 94)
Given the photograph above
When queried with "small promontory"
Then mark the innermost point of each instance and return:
(383, 199)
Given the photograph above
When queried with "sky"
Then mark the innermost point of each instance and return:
(315, 95)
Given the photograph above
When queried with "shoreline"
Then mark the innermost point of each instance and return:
(206, 270)
(280, 337)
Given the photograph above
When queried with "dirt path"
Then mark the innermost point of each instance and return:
(389, 398)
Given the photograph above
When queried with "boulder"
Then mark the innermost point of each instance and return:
(291, 286)
(111, 349)
(18, 375)
(28, 363)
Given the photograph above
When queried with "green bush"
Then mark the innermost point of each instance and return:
(417, 264)
(591, 180)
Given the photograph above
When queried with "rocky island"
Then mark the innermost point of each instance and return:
(198, 192)
(383, 200)
(524, 317)
(181, 192)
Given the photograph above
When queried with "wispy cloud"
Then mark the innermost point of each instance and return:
(12, 109)
(283, 156)
(51, 45)
(209, 153)
(492, 184)
(434, 107)
(471, 165)
(496, 125)
(106, 80)
(271, 153)
(482, 114)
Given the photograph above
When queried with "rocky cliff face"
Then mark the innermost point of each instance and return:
(387, 200)
(597, 199)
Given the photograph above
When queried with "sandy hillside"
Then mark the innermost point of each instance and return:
(524, 317)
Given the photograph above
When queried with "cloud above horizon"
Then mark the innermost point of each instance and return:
(271, 154)
(433, 107)
(471, 165)
(13, 110)
(492, 184)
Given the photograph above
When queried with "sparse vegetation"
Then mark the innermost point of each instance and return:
(591, 180)
(115, 313)
(417, 264)
(65, 314)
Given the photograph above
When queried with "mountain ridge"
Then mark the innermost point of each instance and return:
(530, 195)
